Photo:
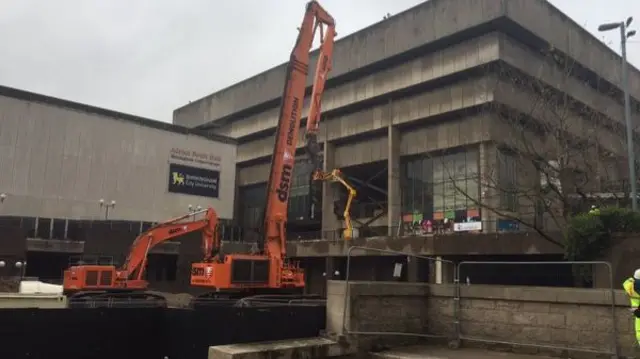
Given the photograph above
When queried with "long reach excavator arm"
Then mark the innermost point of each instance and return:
(270, 269)
(316, 19)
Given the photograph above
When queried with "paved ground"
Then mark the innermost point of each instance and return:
(424, 352)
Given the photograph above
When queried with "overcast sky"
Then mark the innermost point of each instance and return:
(148, 57)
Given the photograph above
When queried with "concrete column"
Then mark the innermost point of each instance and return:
(330, 267)
(393, 184)
(441, 272)
(237, 209)
(330, 222)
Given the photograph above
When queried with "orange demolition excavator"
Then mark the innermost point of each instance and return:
(269, 270)
(101, 282)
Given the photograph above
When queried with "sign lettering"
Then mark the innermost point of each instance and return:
(194, 181)
(196, 271)
(195, 157)
(285, 182)
(293, 122)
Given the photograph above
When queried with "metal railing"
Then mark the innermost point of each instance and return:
(458, 311)
(345, 328)
(494, 227)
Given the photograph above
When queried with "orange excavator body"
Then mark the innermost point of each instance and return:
(270, 269)
(130, 277)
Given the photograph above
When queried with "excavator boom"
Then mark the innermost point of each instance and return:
(284, 153)
(108, 278)
(135, 263)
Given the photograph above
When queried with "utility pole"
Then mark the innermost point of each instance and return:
(624, 35)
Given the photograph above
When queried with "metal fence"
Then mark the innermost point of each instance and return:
(458, 311)
(346, 330)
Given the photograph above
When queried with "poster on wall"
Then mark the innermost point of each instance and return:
(194, 181)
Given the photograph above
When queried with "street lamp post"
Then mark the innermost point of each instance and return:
(20, 266)
(106, 207)
(193, 209)
(624, 35)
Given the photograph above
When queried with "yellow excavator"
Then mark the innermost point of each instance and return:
(336, 176)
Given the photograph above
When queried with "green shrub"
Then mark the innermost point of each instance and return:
(589, 236)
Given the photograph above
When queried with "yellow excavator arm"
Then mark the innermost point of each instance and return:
(336, 176)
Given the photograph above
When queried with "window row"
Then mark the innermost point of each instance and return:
(443, 196)
(434, 169)
(437, 186)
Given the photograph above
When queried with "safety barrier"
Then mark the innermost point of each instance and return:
(149, 333)
(458, 308)
(346, 330)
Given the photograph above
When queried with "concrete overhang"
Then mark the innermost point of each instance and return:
(430, 24)
(460, 244)
(78, 247)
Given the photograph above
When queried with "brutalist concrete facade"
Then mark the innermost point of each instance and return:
(414, 83)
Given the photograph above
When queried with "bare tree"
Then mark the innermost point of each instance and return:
(552, 152)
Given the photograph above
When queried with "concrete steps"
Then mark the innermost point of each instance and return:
(283, 349)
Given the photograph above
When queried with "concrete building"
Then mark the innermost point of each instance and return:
(77, 180)
(424, 93)
(425, 112)
(60, 159)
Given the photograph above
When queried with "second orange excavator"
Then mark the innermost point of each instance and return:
(107, 282)
(270, 270)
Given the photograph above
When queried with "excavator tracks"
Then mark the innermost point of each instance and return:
(118, 299)
(246, 300)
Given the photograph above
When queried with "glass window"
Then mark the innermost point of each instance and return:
(438, 170)
(472, 162)
(507, 180)
(473, 192)
(427, 170)
(460, 166)
(438, 197)
(410, 169)
(449, 196)
(407, 196)
(460, 195)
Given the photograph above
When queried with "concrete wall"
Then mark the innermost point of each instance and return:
(434, 135)
(42, 301)
(563, 317)
(420, 70)
(507, 243)
(377, 307)
(423, 24)
(57, 162)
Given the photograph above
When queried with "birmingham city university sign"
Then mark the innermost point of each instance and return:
(191, 175)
